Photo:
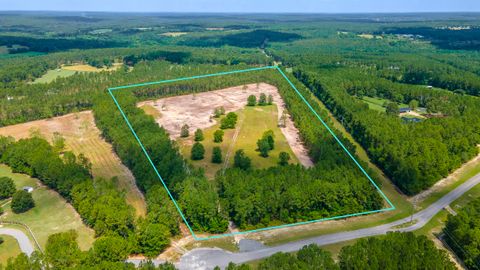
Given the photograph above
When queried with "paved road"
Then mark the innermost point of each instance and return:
(208, 258)
(22, 239)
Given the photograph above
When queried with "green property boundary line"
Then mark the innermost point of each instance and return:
(110, 91)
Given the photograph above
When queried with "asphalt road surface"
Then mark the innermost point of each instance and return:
(22, 239)
(208, 258)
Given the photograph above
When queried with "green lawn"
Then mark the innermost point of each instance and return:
(53, 74)
(377, 103)
(252, 122)
(8, 249)
(52, 214)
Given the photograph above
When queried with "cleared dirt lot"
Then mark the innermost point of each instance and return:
(83, 137)
(196, 111)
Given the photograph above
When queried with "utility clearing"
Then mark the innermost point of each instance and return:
(83, 137)
(196, 111)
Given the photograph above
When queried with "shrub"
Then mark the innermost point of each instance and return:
(198, 151)
(22, 201)
(241, 160)
(218, 112)
(284, 158)
(229, 121)
(217, 155)
(218, 136)
(263, 147)
(262, 101)
(199, 135)
(7, 188)
(270, 138)
(184, 131)
(252, 100)
(270, 100)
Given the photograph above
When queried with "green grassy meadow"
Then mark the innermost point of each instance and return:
(51, 214)
(252, 122)
(53, 74)
(8, 249)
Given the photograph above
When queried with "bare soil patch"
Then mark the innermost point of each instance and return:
(83, 137)
(195, 110)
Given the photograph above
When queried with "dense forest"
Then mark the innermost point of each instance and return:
(344, 188)
(442, 144)
(393, 251)
(462, 234)
(97, 201)
(429, 60)
(445, 38)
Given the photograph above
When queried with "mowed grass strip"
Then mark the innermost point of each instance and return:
(252, 123)
(51, 214)
(8, 249)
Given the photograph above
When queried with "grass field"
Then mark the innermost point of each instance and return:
(82, 136)
(8, 249)
(377, 103)
(51, 214)
(53, 74)
(252, 123)
(66, 71)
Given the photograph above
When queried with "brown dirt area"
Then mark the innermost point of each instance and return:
(195, 110)
(83, 137)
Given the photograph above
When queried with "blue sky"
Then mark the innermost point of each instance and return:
(310, 6)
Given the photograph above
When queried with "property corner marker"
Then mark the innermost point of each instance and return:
(111, 90)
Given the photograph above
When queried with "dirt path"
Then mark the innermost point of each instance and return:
(196, 110)
(232, 144)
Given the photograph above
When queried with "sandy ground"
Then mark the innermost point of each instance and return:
(83, 137)
(196, 111)
(412, 113)
(449, 180)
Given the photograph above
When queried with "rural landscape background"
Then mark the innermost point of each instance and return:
(390, 178)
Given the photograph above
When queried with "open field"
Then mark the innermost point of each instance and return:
(8, 249)
(66, 71)
(83, 137)
(51, 214)
(377, 103)
(196, 110)
(173, 34)
(253, 121)
(53, 74)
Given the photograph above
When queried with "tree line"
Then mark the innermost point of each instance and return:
(99, 204)
(414, 156)
(199, 199)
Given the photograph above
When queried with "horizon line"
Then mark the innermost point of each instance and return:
(245, 12)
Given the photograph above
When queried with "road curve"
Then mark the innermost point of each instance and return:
(22, 239)
(208, 258)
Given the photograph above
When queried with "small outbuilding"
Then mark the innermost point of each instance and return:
(28, 189)
(404, 110)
